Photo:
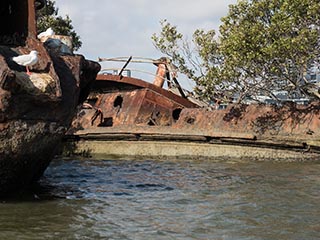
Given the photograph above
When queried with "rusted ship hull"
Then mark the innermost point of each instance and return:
(37, 109)
(135, 119)
(33, 124)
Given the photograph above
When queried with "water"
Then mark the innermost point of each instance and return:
(86, 199)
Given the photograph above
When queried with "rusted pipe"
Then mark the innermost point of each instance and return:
(32, 29)
(161, 74)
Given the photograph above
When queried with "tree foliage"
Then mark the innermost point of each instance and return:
(48, 17)
(264, 45)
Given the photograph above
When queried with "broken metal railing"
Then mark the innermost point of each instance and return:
(169, 77)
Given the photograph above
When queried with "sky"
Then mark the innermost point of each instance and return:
(123, 28)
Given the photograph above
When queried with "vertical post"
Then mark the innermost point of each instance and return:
(161, 74)
(32, 28)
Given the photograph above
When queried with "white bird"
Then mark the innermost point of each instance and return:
(27, 60)
(47, 33)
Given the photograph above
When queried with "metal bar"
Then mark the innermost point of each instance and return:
(124, 59)
(120, 73)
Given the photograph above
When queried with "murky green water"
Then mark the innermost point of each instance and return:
(168, 200)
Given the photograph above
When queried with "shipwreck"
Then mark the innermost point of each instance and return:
(126, 117)
(36, 109)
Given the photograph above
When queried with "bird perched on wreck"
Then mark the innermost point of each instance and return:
(27, 60)
(49, 32)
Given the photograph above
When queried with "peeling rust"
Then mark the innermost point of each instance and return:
(132, 106)
(135, 102)
(37, 109)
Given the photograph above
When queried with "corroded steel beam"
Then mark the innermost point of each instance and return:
(32, 29)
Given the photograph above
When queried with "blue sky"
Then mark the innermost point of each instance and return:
(110, 28)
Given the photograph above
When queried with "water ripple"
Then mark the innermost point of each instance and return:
(168, 200)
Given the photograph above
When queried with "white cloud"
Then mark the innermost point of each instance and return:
(110, 28)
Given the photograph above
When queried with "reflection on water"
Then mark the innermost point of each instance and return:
(168, 200)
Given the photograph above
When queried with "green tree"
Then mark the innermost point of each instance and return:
(264, 45)
(198, 59)
(48, 17)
